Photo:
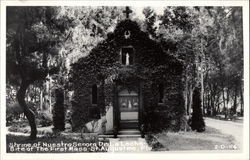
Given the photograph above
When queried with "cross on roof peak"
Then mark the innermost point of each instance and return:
(127, 11)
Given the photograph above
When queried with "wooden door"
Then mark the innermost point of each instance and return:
(128, 105)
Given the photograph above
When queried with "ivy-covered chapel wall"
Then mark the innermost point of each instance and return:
(81, 101)
(166, 115)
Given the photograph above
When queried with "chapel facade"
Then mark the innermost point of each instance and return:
(131, 81)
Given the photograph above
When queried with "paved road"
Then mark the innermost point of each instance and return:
(227, 127)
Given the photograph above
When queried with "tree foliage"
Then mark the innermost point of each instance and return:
(33, 35)
(209, 41)
(150, 19)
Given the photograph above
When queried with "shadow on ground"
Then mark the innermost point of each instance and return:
(211, 139)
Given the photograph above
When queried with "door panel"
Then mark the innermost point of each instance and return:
(129, 115)
(128, 103)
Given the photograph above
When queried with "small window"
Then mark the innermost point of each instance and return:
(127, 56)
(161, 93)
(94, 94)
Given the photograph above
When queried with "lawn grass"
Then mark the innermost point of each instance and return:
(211, 139)
(237, 119)
(26, 129)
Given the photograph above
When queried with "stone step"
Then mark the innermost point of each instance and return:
(129, 124)
(130, 136)
(129, 121)
(105, 136)
(128, 131)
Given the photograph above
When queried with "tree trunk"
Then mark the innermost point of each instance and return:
(27, 112)
(41, 99)
(235, 100)
(186, 97)
(213, 103)
(49, 93)
(202, 90)
(35, 94)
(228, 98)
(211, 100)
(190, 100)
(202, 86)
(208, 103)
(241, 101)
(185, 94)
(224, 99)
(217, 104)
(205, 102)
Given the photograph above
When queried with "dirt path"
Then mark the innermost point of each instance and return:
(232, 128)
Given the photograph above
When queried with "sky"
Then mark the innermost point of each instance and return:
(139, 14)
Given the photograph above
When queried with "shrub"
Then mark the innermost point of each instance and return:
(197, 121)
(154, 143)
(44, 118)
(22, 126)
(16, 128)
(58, 111)
(13, 111)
